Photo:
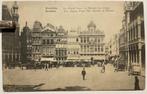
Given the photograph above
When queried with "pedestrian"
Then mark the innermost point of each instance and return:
(103, 68)
(46, 67)
(83, 73)
(136, 83)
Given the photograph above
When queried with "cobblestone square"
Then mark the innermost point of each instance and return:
(70, 79)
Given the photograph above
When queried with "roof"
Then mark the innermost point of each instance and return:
(37, 24)
(49, 27)
(26, 28)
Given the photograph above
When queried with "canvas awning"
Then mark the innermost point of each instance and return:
(72, 60)
(48, 59)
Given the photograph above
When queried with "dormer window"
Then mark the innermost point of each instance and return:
(91, 26)
(91, 29)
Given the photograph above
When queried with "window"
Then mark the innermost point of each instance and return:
(102, 49)
(87, 39)
(91, 29)
(87, 48)
(47, 41)
(84, 40)
(98, 40)
(77, 39)
(52, 41)
(43, 41)
(81, 40)
(65, 52)
(84, 48)
(81, 48)
(98, 48)
(95, 49)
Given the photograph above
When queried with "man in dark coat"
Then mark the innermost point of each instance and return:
(83, 73)
(136, 83)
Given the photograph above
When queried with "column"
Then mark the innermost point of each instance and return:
(136, 56)
(85, 47)
(8, 58)
(3, 58)
(136, 31)
(140, 61)
(11, 56)
(129, 60)
(139, 27)
(19, 57)
(86, 39)
(130, 33)
(133, 32)
(132, 56)
(140, 55)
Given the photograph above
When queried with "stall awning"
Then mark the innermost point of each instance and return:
(48, 59)
(72, 60)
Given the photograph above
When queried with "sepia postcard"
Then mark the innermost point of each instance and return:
(73, 46)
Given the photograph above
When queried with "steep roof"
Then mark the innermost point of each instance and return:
(48, 27)
(37, 24)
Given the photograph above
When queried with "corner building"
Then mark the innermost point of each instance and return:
(10, 40)
(136, 34)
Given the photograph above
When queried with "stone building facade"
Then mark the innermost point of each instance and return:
(26, 45)
(48, 42)
(92, 45)
(61, 45)
(36, 41)
(10, 40)
(73, 47)
(113, 47)
(133, 34)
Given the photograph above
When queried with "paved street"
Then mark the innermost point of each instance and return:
(69, 79)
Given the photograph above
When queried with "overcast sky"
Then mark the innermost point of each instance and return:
(106, 15)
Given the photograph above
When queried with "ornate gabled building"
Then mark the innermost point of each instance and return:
(92, 46)
(36, 41)
(26, 45)
(73, 46)
(48, 43)
(61, 45)
(10, 40)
